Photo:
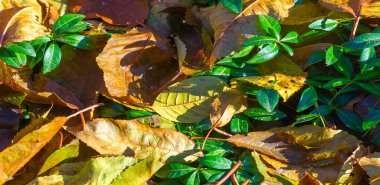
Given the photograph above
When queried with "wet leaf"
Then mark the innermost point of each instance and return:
(189, 101)
(12, 159)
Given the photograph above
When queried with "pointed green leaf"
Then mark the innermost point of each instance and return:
(270, 25)
(316, 56)
(350, 119)
(216, 162)
(178, 170)
(21, 47)
(258, 41)
(268, 52)
(234, 5)
(372, 119)
(261, 114)
(52, 58)
(193, 179)
(239, 124)
(66, 22)
(308, 98)
(76, 40)
(268, 98)
(324, 24)
(291, 37)
(333, 54)
(364, 41)
(287, 48)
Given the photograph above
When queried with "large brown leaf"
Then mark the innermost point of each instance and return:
(81, 75)
(17, 155)
(230, 30)
(118, 12)
(367, 8)
(134, 65)
(131, 138)
(371, 164)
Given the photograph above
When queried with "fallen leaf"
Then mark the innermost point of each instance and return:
(302, 54)
(131, 138)
(189, 101)
(100, 170)
(305, 13)
(117, 12)
(68, 151)
(280, 64)
(351, 172)
(230, 29)
(285, 85)
(134, 64)
(367, 8)
(371, 164)
(226, 105)
(12, 158)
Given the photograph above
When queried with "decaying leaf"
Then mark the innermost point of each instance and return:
(96, 171)
(280, 64)
(230, 29)
(117, 12)
(285, 85)
(189, 101)
(12, 158)
(367, 8)
(305, 13)
(134, 64)
(351, 172)
(371, 164)
(132, 138)
(226, 105)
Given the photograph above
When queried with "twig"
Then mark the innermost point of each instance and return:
(356, 22)
(222, 132)
(60, 142)
(234, 180)
(158, 90)
(246, 182)
(84, 110)
(232, 171)
(83, 120)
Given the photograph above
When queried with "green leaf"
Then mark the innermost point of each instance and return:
(367, 61)
(52, 58)
(268, 52)
(344, 66)
(372, 88)
(40, 52)
(66, 22)
(372, 119)
(189, 101)
(258, 41)
(268, 98)
(12, 59)
(323, 110)
(216, 162)
(308, 98)
(193, 179)
(336, 83)
(333, 54)
(305, 118)
(324, 24)
(364, 41)
(234, 5)
(21, 47)
(178, 170)
(239, 124)
(291, 37)
(248, 70)
(270, 25)
(212, 175)
(287, 48)
(81, 26)
(76, 40)
(316, 56)
(261, 114)
(351, 120)
(212, 145)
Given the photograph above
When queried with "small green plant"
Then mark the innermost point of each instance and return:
(66, 30)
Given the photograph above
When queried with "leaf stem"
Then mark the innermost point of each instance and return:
(356, 21)
(84, 110)
(332, 99)
(232, 171)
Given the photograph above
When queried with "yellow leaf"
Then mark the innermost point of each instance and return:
(285, 85)
(13, 158)
(368, 8)
(189, 101)
(226, 105)
(371, 164)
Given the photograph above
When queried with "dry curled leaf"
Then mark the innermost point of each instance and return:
(367, 8)
(285, 85)
(371, 164)
(117, 12)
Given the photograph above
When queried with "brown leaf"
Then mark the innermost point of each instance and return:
(305, 13)
(117, 12)
(230, 29)
(298, 144)
(226, 105)
(134, 64)
(351, 172)
(367, 8)
(302, 54)
(84, 79)
(131, 138)
(371, 164)
(12, 158)
(19, 22)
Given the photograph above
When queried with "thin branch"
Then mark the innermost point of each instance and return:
(222, 132)
(234, 180)
(246, 182)
(84, 110)
(83, 120)
(228, 175)
(357, 19)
